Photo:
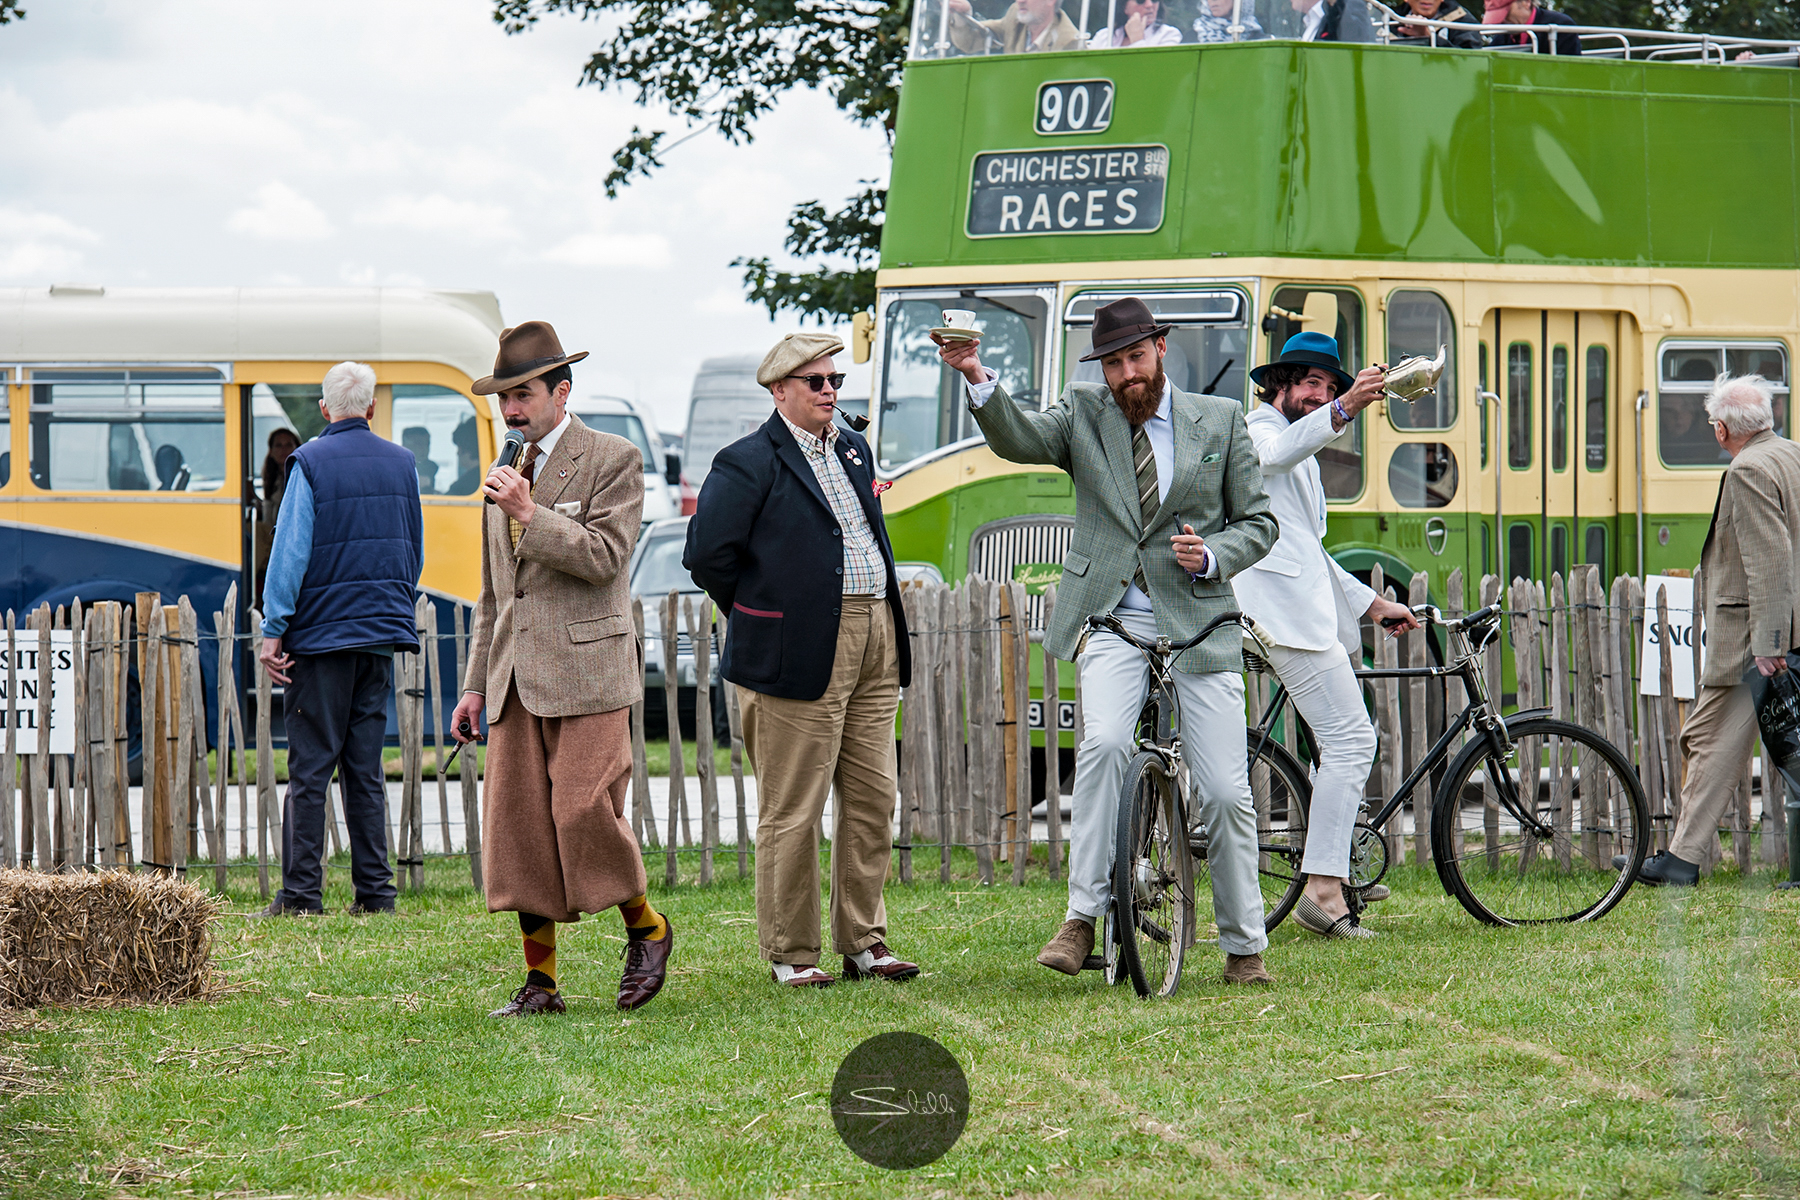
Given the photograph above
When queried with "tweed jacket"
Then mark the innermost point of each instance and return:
(554, 619)
(1751, 560)
(1217, 488)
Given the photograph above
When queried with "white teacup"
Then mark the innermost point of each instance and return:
(959, 318)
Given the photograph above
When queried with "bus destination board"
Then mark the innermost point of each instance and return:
(1080, 189)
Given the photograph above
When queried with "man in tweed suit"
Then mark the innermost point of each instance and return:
(555, 665)
(1750, 569)
(1152, 465)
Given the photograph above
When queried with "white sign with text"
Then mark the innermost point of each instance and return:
(1680, 635)
(20, 707)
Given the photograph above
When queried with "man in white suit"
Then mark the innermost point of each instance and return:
(1309, 605)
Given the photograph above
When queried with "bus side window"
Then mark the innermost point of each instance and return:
(1341, 467)
(438, 425)
(1418, 322)
(5, 431)
(1521, 561)
(1689, 371)
(128, 430)
(1596, 419)
(1520, 431)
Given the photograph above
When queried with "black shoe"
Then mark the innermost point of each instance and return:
(359, 909)
(1663, 868)
(277, 908)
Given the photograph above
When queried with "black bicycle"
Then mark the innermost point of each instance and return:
(1525, 823)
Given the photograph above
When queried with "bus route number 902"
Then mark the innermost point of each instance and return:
(1074, 106)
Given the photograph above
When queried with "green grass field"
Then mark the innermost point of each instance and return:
(1647, 1055)
(656, 761)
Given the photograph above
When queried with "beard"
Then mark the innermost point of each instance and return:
(1138, 402)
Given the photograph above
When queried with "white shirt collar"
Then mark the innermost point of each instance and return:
(547, 443)
(1315, 16)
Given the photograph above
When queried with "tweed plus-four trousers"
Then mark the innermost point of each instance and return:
(555, 841)
(1114, 681)
(799, 750)
(1716, 741)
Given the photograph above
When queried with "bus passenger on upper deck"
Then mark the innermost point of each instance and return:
(1438, 10)
(1214, 22)
(1524, 12)
(1139, 28)
(1028, 25)
(1334, 20)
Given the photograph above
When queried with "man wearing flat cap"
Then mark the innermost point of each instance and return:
(1169, 505)
(788, 540)
(555, 665)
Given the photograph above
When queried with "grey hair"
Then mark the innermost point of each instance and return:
(349, 390)
(1744, 405)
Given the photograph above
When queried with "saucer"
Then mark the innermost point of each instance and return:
(956, 334)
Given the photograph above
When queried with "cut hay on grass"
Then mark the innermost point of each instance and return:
(106, 938)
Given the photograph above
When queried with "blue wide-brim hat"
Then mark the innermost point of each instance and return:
(1311, 350)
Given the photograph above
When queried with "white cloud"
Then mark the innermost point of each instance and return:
(369, 276)
(281, 214)
(35, 246)
(439, 214)
(624, 251)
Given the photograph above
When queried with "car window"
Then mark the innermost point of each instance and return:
(626, 426)
(659, 568)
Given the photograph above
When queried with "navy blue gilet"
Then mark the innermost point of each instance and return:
(362, 578)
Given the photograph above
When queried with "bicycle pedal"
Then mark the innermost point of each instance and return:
(1093, 962)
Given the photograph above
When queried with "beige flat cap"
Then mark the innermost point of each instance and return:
(794, 351)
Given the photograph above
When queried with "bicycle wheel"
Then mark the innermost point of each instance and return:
(1530, 838)
(1112, 968)
(1152, 878)
(1283, 798)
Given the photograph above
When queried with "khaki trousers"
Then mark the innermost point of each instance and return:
(555, 841)
(1717, 739)
(799, 749)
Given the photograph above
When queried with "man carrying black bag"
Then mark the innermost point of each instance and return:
(1750, 565)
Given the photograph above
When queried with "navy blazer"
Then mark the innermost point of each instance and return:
(766, 546)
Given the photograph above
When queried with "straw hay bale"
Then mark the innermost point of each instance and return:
(106, 938)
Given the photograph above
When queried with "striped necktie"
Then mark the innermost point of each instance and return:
(529, 471)
(1144, 460)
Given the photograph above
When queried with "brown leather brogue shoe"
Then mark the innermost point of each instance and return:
(646, 966)
(1069, 949)
(1246, 968)
(884, 965)
(531, 1001)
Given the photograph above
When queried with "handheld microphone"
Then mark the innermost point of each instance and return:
(510, 449)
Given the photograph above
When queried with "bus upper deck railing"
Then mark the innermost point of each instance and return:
(955, 29)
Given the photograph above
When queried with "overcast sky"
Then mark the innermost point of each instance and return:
(406, 142)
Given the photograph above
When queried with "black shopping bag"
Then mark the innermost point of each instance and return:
(1777, 701)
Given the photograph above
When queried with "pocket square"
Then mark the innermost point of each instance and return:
(570, 509)
(1212, 458)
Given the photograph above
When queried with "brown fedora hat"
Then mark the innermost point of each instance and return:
(1120, 324)
(526, 351)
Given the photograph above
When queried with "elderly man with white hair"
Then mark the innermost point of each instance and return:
(1751, 571)
(337, 602)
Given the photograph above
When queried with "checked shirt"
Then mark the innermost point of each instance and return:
(865, 572)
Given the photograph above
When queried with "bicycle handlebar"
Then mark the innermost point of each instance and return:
(1113, 625)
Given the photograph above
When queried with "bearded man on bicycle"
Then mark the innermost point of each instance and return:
(1151, 465)
(1308, 605)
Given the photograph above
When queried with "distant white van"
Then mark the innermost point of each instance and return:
(662, 473)
(728, 403)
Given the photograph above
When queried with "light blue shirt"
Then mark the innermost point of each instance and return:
(1160, 429)
(289, 555)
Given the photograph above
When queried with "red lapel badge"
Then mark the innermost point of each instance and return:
(563, 474)
(882, 485)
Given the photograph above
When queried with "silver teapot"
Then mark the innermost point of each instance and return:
(1415, 378)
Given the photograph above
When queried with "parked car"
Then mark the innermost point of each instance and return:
(662, 468)
(655, 569)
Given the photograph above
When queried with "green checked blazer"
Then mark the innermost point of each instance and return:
(1218, 489)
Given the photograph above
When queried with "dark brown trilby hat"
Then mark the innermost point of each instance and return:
(526, 351)
(1121, 324)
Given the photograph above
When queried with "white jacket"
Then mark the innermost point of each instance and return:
(1299, 593)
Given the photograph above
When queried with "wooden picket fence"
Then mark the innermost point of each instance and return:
(965, 743)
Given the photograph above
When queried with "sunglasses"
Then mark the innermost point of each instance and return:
(817, 382)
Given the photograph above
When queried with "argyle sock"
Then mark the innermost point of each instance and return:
(641, 921)
(540, 950)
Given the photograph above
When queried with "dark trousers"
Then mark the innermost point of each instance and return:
(336, 712)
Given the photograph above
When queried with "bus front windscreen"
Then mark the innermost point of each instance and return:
(922, 402)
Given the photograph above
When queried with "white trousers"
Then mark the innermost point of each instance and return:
(1114, 680)
(1323, 686)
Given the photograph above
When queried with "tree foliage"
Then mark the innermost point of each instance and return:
(725, 64)
(10, 11)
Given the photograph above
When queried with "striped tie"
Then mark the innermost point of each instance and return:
(528, 470)
(1144, 459)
